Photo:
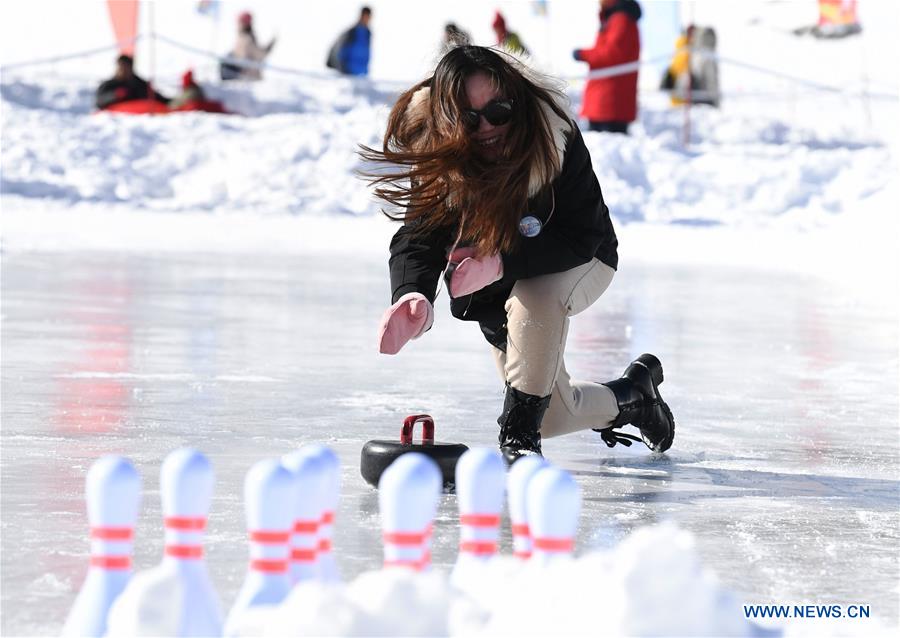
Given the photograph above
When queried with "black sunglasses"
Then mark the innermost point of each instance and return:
(497, 113)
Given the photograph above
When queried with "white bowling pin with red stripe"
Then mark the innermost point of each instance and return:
(327, 565)
(311, 477)
(186, 488)
(113, 490)
(520, 475)
(480, 479)
(408, 493)
(269, 498)
(553, 503)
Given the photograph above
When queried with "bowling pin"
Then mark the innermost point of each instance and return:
(269, 502)
(520, 475)
(186, 487)
(480, 478)
(553, 503)
(328, 569)
(310, 475)
(113, 490)
(408, 493)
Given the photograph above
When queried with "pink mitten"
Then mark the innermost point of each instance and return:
(407, 319)
(474, 273)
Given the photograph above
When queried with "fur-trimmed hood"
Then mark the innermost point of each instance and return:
(418, 110)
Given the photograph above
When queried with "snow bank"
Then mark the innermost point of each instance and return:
(652, 583)
(296, 155)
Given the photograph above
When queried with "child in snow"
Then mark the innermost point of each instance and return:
(501, 198)
(191, 92)
(506, 39)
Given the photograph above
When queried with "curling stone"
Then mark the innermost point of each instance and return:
(377, 455)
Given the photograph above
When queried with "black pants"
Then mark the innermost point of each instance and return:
(609, 127)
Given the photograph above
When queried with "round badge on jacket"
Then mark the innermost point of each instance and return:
(530, 226)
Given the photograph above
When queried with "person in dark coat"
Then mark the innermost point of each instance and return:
(500, 197)
(350, 52)
(610, 103)
(125, 85)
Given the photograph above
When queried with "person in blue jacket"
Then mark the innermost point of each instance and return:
(350, 52)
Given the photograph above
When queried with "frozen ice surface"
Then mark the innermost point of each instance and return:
(784, 388)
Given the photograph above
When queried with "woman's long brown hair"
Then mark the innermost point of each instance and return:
(432, 167)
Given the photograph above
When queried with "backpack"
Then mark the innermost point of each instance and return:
(333, 61)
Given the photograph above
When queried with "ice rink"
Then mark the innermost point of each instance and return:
(784, 389)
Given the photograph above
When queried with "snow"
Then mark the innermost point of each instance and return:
(776, 222)
(612, 592)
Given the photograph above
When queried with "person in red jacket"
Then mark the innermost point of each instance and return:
(610, 103)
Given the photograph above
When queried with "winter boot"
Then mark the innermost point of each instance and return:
(640, 404)
(520, 424)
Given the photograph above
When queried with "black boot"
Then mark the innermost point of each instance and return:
(641, 405)
(520, 424)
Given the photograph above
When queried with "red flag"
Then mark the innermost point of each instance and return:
(124, 17)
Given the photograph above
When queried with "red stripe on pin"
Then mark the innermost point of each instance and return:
(324, 545)
(521, 529)
(522, 555)
(412, 564)
(184, 551)
(303, 555)
(554, 544)
(327, 518)
(306, 527)
(269, 537)
(405, 538)
(112, 533)
(269, 566)
(479, 548)
(111, 562)
(186, 523)
(480, 520)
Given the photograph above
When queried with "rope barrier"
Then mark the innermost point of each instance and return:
(631, 67)
(611, 71)
(796, 80)
(69, 56)
(249, 64)
(628, 67)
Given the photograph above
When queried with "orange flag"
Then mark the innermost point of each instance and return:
(124, 17)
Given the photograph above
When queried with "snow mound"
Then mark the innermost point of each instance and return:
(297, 155)
(650, 584)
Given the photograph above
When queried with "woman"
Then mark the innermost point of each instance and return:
(246, 49)
(500, 196)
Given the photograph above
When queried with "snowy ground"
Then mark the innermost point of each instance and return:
(171, 280)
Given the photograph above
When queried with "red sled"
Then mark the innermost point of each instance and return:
(138, 107)
(205, 106)
(154, 107)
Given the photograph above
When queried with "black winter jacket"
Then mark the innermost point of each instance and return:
(579, 230)
(114, 91)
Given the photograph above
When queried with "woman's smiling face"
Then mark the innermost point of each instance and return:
(481, 91)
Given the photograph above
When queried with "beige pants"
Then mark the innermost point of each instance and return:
(538, 311)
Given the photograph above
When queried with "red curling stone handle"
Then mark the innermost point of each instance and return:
(406, 432)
